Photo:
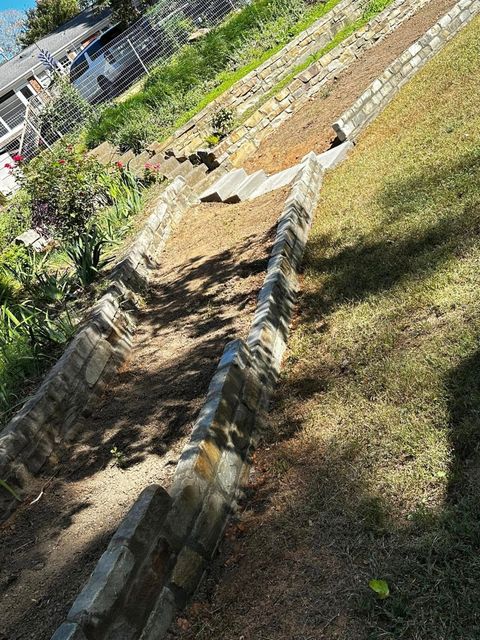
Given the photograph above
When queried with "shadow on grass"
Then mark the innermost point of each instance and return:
(314, 531)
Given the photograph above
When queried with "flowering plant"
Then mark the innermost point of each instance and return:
(65, 189)
(152, 174)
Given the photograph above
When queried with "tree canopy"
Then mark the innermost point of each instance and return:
(11, 24)
(45, 17)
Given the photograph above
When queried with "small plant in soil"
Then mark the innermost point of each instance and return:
(119, 458)
(222, 123)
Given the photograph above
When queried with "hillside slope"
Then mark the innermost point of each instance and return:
(372, 469)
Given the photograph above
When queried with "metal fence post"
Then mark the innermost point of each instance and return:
(139, 58)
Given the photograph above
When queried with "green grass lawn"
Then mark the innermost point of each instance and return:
(383, 379)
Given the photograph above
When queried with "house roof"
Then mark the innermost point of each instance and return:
(68, 33)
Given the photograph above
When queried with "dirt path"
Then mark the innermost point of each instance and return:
(310, 129)
(203, 295)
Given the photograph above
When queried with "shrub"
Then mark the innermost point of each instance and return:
(152, 174)
(85, 252)
(222, 123)
(43, 285)
(65, 188)
(15, 218)
(66, 111)
(138, 132)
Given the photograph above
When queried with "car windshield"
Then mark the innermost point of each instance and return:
(96, 48)
(78, 68)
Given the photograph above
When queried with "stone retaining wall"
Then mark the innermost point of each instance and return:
(54, 414)
(157, 558)
(244, 141)
(245, 93)
(386, 86)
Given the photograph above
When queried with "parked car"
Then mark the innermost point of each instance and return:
(105, 68)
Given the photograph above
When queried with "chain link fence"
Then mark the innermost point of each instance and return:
(112, 64)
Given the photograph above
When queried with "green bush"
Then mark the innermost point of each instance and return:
(66, 111)
(15, 218)
(223, 122)
(65, 189)
(85, 251)
(138, 132)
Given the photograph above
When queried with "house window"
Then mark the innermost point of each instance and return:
(12, 110)
(27, 92)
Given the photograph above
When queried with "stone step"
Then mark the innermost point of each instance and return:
(277, 181)
(108, 158)
(247, 187)
(137, 165)
(158, 158)
(225, 187)
(196, 176)
(126, 157)
(168, 167)
(104, 149)
(156, 147)
(182, 169)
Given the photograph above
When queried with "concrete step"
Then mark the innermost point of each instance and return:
(277, 181)
(247, 187)
(334, 156)
(224, 188)
(211, 178)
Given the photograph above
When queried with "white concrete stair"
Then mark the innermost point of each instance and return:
(238, 186)
(225, 188)
(277, 181)
(248, 187)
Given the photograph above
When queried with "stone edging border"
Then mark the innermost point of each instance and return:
(386, 86)
(53, 415)
(157, 557)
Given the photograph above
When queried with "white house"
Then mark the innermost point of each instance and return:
(25, 75)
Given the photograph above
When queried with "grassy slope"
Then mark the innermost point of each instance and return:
(258, 31)
(208, 80)
(385, 365)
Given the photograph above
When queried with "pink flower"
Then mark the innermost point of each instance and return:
(61, 162)
(8, 166)
(18, 158)
(119, 165)
(148, 165)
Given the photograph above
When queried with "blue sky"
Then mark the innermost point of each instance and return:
(16, 4)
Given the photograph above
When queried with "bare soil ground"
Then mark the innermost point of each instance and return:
(202, 296)
(310, 129)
